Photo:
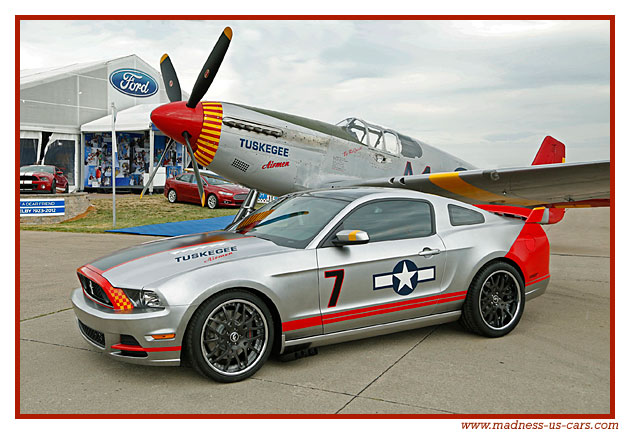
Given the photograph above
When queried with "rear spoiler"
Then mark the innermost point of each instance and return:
(540, 215)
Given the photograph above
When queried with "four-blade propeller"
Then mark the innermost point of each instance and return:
(174, 92)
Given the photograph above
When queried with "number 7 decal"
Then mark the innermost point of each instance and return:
(338, 275)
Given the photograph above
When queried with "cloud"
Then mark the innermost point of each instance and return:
(487, 91)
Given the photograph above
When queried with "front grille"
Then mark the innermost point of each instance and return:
(28, 186)
(92, 335)
(28, 178)
(240, 197)
(94, 290)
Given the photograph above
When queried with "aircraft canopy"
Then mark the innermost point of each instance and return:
(383, 139)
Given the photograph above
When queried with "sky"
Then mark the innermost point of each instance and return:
(485, 91)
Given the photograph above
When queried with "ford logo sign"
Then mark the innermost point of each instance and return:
(133, 82)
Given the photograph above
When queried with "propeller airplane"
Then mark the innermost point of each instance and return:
(279, 153)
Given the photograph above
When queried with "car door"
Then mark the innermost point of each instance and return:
(185, 187)
(389, 278)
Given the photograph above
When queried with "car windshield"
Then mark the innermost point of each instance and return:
(292, 221)
(47, 169)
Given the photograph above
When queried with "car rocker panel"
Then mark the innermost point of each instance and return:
(317, 294)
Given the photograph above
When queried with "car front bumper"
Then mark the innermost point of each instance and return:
(41, 186)
(109, 332)
(229, 201)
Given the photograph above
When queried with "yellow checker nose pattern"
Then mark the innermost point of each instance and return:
(120, 300)
(208, 141)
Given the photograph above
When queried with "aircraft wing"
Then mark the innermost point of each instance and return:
(562, 185)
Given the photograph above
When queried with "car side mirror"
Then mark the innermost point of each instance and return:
(350, 238)
(58, 172)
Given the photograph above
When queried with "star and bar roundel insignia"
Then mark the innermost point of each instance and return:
(404, 277)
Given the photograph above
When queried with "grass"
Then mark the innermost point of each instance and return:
(131, 211)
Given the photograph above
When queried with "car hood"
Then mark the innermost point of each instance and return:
(36, 172)
(236, 189)
(139, 266)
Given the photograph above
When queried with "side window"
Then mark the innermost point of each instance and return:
(186, 178)
(391, 220)
(391, 142)
(410, 148)
(460, 216)
(358, 130)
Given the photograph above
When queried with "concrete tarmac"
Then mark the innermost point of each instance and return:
(556, 361)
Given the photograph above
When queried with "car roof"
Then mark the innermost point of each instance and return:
(347, 194)
(350, 194)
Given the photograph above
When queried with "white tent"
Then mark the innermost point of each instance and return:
(55, 102)
(136, 118)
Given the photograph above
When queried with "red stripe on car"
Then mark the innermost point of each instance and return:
(124, 347)
(372, 310)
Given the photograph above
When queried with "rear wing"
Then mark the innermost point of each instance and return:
(540, 215)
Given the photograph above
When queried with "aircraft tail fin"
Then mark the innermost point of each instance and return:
(551, 151)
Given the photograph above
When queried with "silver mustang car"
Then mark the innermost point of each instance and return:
(310, 269)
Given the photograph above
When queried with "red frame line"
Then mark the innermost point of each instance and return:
(610, 18)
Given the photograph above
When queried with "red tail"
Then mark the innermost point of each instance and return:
(551, 151)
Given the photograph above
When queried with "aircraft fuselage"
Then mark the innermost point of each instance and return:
(280, 153)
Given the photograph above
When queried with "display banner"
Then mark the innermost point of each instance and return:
(40, 207)
(133, 150)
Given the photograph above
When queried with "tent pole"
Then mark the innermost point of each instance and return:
(114, 161)
(151, 155)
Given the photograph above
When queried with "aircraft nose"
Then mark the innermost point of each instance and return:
(175, 118)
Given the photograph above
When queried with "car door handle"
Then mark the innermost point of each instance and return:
(426, 252)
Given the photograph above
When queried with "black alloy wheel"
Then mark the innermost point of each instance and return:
(495, 300)
(230, 336)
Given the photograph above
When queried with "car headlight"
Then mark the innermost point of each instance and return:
(144, 299)
(225, 193)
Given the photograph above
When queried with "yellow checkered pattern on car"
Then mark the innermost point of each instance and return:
(120, 299)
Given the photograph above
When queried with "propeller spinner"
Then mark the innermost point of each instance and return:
(183, 121)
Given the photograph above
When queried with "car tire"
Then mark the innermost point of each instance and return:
(67, 188)
(53, 187)
(230, 336)
(495, 300)
(172, 196)
(212, 201)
